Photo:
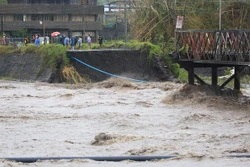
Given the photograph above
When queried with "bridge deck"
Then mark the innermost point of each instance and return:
(210, 63)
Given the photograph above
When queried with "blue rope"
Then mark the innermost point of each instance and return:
(107, 73)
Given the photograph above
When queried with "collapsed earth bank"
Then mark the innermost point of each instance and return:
(95, 65)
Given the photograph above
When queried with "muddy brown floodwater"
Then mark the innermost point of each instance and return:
(120, 118)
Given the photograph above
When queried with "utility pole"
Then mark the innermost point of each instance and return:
(1, 26)
(220, 16)
(126, 21)
(44, 38)
(43, 26)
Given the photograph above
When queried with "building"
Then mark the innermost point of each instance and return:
(42, 17)
(115, 20)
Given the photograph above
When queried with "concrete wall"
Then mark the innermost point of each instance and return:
(126, 63)
(24, 67)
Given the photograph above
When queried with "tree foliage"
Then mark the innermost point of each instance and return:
(20, 33)
(3, 1)
(154, 20)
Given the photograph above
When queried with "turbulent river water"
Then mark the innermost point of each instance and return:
(118, 118)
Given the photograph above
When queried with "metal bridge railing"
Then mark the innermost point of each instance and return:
(218, 45)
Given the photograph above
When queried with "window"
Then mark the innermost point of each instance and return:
(61, 18)
(35, 17)
(8, 18)
(89, 18)
(92, 2)
(19, 18)
(77, 18)
(49, 17)
(92, 34)
(75, 2)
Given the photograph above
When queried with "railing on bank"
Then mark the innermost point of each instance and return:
(217, 45)
(11, 40)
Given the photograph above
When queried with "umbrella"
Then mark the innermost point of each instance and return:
(55, 34)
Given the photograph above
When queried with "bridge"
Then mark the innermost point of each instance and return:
(213, 49)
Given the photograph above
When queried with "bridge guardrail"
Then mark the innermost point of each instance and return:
(217, 45)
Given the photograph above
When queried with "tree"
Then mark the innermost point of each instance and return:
(20, 33)
(236, 15)
(153, 20)
(3, 1)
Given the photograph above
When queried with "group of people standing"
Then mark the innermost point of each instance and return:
(5, 40)
(73, 41)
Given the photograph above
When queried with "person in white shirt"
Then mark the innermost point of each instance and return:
(89, 41)
(79, 43)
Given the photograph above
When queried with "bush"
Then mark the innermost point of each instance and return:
(183, 75)
(53, 55)
(30, 48)
(7, 49)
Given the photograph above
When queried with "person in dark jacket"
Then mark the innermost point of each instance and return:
(57, 39)
(73, 42)
(100, 39)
